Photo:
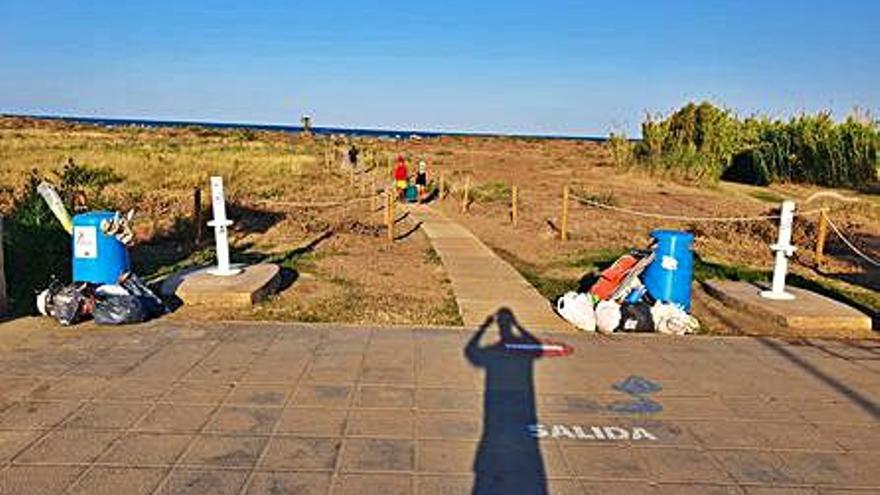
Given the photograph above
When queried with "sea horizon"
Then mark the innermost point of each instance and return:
(320, 130)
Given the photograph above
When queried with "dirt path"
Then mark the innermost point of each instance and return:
(482, 282)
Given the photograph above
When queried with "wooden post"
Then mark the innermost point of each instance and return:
(563, 227)
(466, 196)
(820, 241)
(198, 227)
(4, 303)
(514, 207)
(442, 192)
(391, 201)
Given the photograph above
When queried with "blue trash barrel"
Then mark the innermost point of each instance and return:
(668, 278)
(97, 257)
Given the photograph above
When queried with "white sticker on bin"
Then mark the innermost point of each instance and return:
(669, 263)
(85, 243)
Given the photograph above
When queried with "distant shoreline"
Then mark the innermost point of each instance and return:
(353, 132)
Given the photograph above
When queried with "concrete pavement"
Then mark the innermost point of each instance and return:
(277, 408)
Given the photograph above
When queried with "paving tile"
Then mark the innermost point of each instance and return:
(383, 423)
(750, 466)
(240, 419)
(12, 442)
(146, 449)
(106, 415)
(444, 484)
(692, 488)
(385, 397)
(728, 434)
(33, 414)
(447, 399)
(283, 369)
(69, 388)
(175, 418)
(605, 462)
(134, 390)
(258, 395)
(312, 421)
(115, 481)
(278, 483)
(463, 425)
(203, 482)
(402, 375)
(795, 436)
(617, 488)
(224, 451)
(762, 409)
(286, 453)
(833, 469)
(447, 457)
(377, 455)
(206, 393)
(68, 446)
(370, 484)
(681, 465)
(850, 437)
(36, 480)
(779, 490)
(322, 395)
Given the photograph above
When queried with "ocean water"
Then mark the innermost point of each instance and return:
(377, 133)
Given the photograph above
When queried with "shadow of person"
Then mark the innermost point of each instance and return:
(509, 458)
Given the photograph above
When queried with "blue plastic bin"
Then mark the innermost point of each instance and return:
(668, 278)
(97, 257)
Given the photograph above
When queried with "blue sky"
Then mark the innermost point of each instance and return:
(571, 67)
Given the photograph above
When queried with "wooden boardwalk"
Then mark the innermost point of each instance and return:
(482, 282)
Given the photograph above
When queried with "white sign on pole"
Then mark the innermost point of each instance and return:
(221, 235)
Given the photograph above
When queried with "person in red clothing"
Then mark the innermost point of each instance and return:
(401, 175)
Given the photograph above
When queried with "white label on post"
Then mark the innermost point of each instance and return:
(85, 242)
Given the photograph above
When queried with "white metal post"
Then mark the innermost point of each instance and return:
(784, 250)
(220, 224)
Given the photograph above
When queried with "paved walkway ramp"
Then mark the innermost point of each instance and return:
(483, 282)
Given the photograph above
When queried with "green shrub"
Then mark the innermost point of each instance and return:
(703, 142)
(37, 247)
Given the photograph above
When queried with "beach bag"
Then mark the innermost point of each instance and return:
(577, 309)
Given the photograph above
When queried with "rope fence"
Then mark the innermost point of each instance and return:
(850, 245)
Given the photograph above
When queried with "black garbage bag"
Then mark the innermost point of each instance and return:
(69, 304)
(120, 310)
(136, 287)
(636, 317)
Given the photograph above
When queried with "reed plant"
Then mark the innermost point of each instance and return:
(703, 142)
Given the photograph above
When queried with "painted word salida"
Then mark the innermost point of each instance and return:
(576, 432)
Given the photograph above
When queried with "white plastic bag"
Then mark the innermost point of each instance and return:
(607, 316)
(577, 309)
(673, 320)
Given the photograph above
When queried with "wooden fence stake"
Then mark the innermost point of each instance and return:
(514, 207)
(466, 196)
(442, 186)
(391, 201)
(820, 241)
(198, 226)
(563, 234)
(4, 303)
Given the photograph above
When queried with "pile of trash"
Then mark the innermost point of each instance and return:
(129, 301)
(620, 301)
(103, 288)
